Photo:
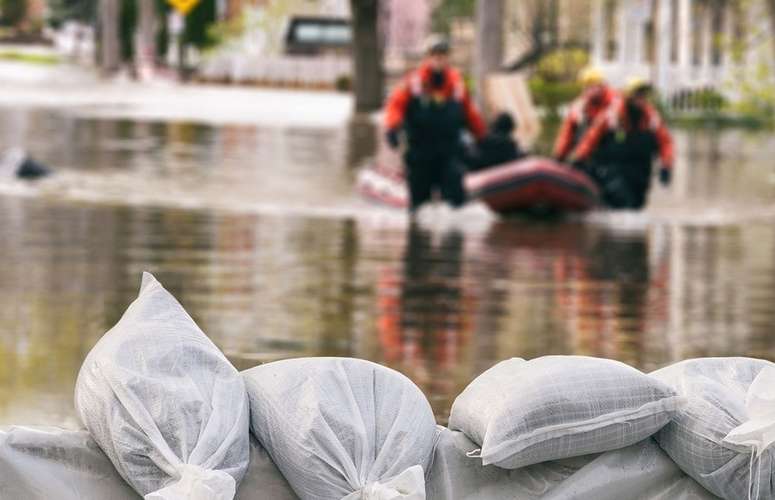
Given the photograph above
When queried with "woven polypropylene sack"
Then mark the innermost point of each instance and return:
(525, 412)
(342, 428)
(641, 471)
(164, 404)
(717, 390)
(47, 463)
(454, 476)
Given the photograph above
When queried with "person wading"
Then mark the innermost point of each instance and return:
(624, 142)
(433, 108)
(595, 99)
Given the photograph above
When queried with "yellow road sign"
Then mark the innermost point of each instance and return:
(183, 6)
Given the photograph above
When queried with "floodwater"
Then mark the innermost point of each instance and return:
(258, 233)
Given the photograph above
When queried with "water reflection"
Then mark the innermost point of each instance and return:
(424, 312)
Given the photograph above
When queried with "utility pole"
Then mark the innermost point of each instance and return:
(109, 46)
(367, 55)
(489, 43)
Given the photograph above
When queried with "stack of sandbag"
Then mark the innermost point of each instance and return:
(521, 413)
(342, 428)
(723, 437)
(638, 472)
(164, 404)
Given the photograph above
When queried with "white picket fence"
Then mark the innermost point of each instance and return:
(294, 71)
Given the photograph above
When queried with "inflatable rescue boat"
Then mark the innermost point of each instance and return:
(533, 184)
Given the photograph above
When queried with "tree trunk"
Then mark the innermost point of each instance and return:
(145, 37)
(367, 55)
(109, 42)
(489, 42)
(771, 9)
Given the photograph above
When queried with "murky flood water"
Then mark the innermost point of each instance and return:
(259, 235)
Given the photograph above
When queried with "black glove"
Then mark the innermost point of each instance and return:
(575, 162)
(665, 175)
(393, 138)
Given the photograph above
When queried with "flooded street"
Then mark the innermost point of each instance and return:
(259, 234)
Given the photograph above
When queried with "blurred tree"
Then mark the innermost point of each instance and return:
(162, 41)
(145, 36)
(447, 11)
(538, 27)
(771, 9)
(489, 41)
(127, 26)
(367, 55)
(110, 47)
(12, 12)
(198, 22)
(78, 10)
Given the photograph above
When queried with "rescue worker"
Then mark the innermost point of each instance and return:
(624, 142)
(595, 99)
(433, 108)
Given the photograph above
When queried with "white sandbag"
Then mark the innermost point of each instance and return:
(75, 468)
(164, 404)
(50, 463)
(638, 472)
(263, 481)
(526, 412)
(717, 438)
(342, 428)
(454, 476)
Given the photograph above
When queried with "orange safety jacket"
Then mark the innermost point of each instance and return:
(617, 119)
(417, 83)
(581, 115)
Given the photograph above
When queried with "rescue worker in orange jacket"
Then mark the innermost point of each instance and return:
(432, 107)
(623, 142)
(595, 100)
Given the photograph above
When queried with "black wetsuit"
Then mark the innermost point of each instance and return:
(622, 166)
(434, 158)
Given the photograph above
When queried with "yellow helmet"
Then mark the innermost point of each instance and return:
(591, 75)
(635, 84)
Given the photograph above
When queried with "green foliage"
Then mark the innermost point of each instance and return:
(60, 11)
(198, 22)
(43, 59)
(562, 65)
(12, 11)
(162, 35)
(447, 11)
(223, 31)
(343, 83)
(127, 26)
(551, 95)
(554, 81)
(756, 94)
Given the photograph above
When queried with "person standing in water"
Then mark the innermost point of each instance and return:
(626, 138)
(595, 99)
(433, 108)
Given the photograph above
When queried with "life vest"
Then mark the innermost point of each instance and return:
(435, 120)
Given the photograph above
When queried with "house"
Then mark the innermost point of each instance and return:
(680, 45)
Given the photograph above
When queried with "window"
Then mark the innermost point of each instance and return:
(313, 35)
